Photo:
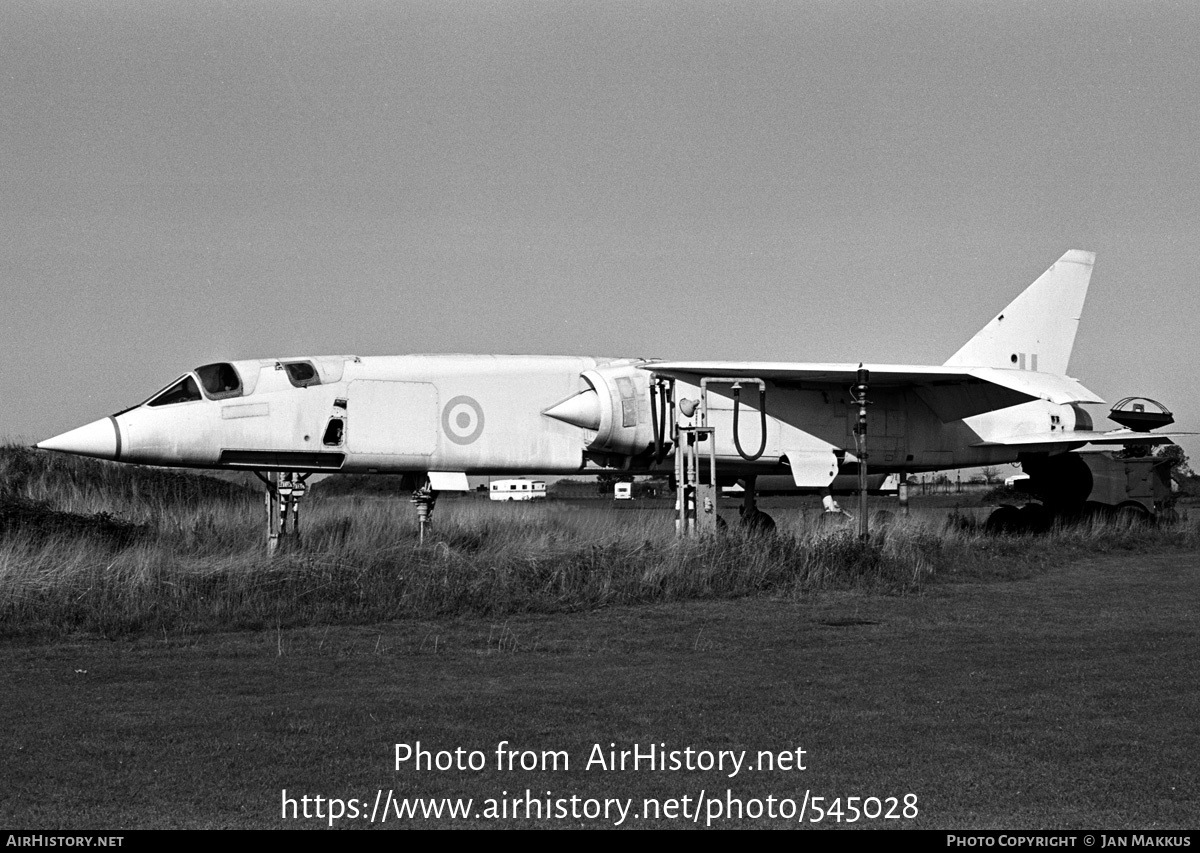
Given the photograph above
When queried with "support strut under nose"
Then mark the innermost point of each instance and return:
(424, 499)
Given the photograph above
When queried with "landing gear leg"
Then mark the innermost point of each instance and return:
(283, 493)
(830, 506)
(754, 520)
(749, 504)
(424, 500)
(273, 510)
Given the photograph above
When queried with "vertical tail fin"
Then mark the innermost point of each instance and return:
(1037, 329)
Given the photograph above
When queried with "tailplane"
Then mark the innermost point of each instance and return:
(1037, 329)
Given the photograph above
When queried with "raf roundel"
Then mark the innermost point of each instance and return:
(462, 420)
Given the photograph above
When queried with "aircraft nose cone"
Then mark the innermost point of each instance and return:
(101, 439)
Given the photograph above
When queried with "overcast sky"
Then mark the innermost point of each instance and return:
(184, 182)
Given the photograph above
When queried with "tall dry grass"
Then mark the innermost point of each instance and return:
(189, 556)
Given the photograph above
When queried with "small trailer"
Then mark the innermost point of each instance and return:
(517, 490)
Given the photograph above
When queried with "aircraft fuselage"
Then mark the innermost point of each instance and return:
(487, 415)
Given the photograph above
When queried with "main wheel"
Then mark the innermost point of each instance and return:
(758, 522)
(1035, 518)
(1005, 519)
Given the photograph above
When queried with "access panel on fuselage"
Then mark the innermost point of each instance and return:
(391, 418)
(887, 423)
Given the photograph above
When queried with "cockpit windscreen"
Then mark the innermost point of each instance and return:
(183, 391)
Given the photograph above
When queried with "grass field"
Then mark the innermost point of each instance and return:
(177, 678)
(1062, 701)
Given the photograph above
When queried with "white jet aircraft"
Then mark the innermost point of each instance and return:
(1003, 397)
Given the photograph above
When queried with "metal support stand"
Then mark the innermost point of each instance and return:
(697, 502)
(424, 499)
(859, 393)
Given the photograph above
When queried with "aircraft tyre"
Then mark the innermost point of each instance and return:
(758, 523)
(1035, 518)
(1005, 519)
(830, 521)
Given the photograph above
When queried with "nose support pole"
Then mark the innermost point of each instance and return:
(424, 499)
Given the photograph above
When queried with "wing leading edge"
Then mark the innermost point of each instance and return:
(1079, 436)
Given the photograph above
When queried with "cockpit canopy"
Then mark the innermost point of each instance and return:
(224, 380)
(300, 373)
(220, 381)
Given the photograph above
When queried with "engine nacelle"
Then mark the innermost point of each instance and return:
(616, 408)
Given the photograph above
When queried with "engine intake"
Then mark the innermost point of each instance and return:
(616, 407)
